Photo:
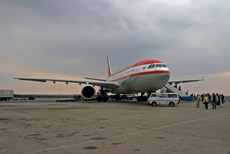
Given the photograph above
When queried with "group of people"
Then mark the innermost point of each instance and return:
(213, 99)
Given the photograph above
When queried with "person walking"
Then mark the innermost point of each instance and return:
(218, 100)
(198, 100)
(221, 100)
(214, 100)
(206, 101)
(186, 93)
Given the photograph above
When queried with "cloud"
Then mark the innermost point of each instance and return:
(73, 37)
(22, 70)
(12, 70)
(221, 75)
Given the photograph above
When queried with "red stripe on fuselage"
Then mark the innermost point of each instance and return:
(140, 63)
(141, 73)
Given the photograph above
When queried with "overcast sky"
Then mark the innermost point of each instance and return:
(70, 39)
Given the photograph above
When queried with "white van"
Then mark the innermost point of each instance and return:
(170, 99)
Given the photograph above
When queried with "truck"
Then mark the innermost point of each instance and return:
(6, 95)
(169, 99)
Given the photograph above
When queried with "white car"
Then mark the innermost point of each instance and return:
(170, 99)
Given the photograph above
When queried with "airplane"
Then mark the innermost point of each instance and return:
(144, 76)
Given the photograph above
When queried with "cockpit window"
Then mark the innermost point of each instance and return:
(151, 66)
(158, 65)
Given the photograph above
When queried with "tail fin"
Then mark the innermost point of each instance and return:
(109, 68)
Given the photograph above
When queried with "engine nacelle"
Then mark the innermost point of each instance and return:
(88, 92)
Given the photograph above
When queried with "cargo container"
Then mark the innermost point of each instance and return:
(6, 95)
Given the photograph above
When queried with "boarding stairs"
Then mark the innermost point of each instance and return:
(182, 95)
(175, 90)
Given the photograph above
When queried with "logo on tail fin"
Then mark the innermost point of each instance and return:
(109, 68)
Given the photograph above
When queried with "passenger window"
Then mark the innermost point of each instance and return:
(164, 65)
(158, 65)
(172, 95)
(154, 95)
(163, 96)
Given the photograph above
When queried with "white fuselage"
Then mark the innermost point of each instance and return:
(144, 76)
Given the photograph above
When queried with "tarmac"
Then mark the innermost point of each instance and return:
(125, 127)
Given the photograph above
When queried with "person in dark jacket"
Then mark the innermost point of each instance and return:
(214, 100)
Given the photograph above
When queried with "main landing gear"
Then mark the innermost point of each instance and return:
(102, 96)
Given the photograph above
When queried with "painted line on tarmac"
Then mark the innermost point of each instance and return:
(128, 134)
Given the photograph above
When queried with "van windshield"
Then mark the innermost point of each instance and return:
(154, 95)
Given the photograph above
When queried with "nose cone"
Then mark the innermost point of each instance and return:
(158, 81)
(166, 75)
(163, 79)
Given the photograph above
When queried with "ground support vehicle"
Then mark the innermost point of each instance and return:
(6, 95)
(169, 99)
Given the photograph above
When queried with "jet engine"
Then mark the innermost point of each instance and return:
(88, 92)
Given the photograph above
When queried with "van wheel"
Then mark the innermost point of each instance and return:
(154, 104)
(171, 104)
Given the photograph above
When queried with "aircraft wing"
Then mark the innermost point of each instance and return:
(96, 79)
(185, 81)
(109, 85)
